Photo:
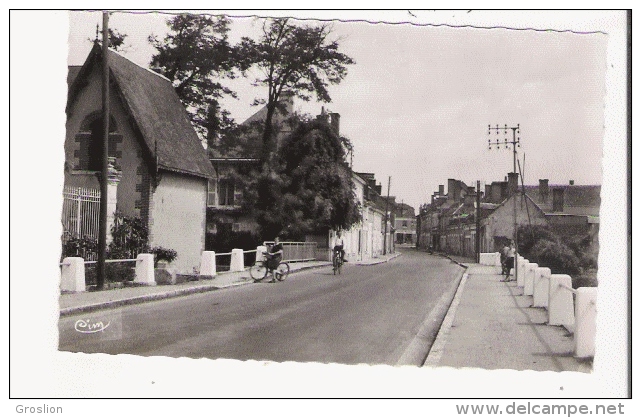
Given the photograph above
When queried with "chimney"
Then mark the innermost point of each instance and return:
(544, 189)
(512, 183)
(323, 117)
(441, 190)
(571, 182)
(451, 190)
(488, 192)
(497, 191)
(335, 120)
(557, 200)
(379, 189)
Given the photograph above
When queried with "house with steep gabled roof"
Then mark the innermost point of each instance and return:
(161, 166)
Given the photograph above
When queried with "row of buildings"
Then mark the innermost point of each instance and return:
(449, 222)
(164, 176)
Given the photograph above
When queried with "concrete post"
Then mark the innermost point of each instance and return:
(561, 305)
(520, 278)
(145, 269)
(490, 259)
(113, 178)
(208, 263)
(73, 275)
(585, 332)
(237, 260)
(528, 285)
(259, 253)
(541, 287)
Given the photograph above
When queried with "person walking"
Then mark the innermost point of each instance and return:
(509, 262)
(504, 252)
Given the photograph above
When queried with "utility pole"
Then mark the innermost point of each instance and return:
(102, 230)
(515, 142)
(389, 180)
(477, 236)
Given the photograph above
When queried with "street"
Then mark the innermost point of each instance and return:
(368, 314)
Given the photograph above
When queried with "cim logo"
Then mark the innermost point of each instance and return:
(86, 326)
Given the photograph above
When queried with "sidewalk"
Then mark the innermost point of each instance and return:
(491, 325)
(377, 260)
(72, 303)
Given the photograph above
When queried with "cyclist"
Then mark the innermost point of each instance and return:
(339, 246)
(274, 255)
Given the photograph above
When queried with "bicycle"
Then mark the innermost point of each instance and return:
(261, 270)
(337, 262)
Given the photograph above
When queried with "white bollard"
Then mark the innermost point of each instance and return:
(541, 287)
(208, 263)
(145, 269)
(528, 283)
(520, 273)
(259, 253)
(585, 331)
(237, 260)
(73, 275)
(561, 305)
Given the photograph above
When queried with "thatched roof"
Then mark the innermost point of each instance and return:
(156, 112)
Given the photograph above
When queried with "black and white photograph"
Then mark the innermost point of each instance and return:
(327, 204)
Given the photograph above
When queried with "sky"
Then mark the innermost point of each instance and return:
(416, 105)
(418, 101)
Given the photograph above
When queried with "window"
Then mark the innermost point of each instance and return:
(226, 192)
(89, 152)
(404, 224)
(211, 193)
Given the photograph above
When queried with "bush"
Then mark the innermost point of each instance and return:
(84, 247)
(130, 238)
(532, 234)
(115, 272)
(164, 254)
(555, 255)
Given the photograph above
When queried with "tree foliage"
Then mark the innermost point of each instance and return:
(116, 39)
(300, 59)
(310, 189)
(195, 55)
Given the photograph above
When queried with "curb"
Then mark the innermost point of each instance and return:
(438, 345)
(159, 296)
(396, 255)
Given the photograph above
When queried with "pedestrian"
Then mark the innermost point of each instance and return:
(503, 253)
(509, 262)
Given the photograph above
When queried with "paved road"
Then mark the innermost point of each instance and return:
(368, 314)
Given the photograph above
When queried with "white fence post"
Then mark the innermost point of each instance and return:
(541, 287)
(585, 332)
(208, 263)
(561, 305)
(237, 260)
(73, 275)
(520, 276)
(528, 284)
(259, 253)
(145, 269)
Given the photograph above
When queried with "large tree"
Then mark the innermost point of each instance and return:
(195, 55)
(311, 187)
(300, 59)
